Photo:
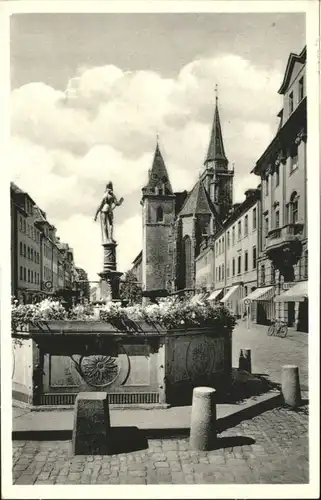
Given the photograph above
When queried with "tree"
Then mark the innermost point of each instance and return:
(130, 289)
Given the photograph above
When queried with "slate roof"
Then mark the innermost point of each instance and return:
(216, 146)
(197, 201)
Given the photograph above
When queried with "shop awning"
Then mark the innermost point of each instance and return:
(215, 294)
(232, 291)
(297, 293)
(198, 297)
(264, 294)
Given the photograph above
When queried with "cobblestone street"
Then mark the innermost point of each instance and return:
(270, 353)
(270, 448)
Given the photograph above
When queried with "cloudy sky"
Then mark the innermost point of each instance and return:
(133, 77)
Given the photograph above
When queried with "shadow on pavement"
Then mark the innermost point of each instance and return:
(232, 441)
(126, 440)
(118, 440)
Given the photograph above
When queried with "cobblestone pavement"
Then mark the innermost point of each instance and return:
(270, 353)
(270, 448)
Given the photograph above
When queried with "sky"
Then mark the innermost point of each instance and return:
(132, 77)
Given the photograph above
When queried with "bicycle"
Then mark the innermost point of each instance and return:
(278, 329)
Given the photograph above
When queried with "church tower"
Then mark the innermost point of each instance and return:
(158, 206)
(217, 178)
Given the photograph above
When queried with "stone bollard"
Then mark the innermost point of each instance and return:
(245, 362)
(91, 424)
(291, 385)
(203, 419)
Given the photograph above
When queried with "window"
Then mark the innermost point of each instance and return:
(233, 235)
(24, 250)
(305, 269)
(239, 229)
(293, 208)
(254, 257)
(219, 247)
(28, 251)
(222, 271)
(31, 277)
(239, 265)
(263, 274)
(20, 223)
(219, 273)
(266, 226)
(266, 186)
(24, 225)
(21, 273)
(246, 225)
(228, 239)
(254, 218)
(246, 261)
(28, 275)
(159, 214)
(223, 244)
(301, 88)
(277, 218)
(227, 270)
(24, 274)
(291, 102)
(233, 267)
(272, 274)
(293, 158)
(31, 254)
(245, 291)
(277, 175)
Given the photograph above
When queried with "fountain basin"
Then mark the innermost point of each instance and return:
(135, 363)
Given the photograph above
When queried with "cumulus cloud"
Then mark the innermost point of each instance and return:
(105, 127)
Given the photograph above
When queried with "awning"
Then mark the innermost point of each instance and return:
(264, 294)
(232, 291)
(297, 293)
(215, 294)
(198, 297)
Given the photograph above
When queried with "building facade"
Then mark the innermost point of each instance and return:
(41, 265)
(232, 256)
(283, 260)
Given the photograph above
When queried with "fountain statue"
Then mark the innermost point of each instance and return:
(109, 285)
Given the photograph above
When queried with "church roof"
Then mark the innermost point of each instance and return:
(158, 175)
(216, 146)
(197, 202)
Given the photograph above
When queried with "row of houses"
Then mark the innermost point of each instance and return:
(41, 265)
(251, 256)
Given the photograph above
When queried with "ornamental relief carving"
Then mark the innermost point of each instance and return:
(103, 370)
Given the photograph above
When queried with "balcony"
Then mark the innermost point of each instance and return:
(283, 236)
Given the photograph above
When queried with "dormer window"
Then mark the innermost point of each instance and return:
(159, 214)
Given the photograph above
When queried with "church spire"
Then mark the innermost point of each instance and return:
(216, 151)
(158, 179)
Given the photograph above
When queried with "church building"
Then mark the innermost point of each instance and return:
(176, 224)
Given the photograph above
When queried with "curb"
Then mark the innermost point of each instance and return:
(158, 433)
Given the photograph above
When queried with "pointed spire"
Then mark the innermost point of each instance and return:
(158, 179)
(216, 147)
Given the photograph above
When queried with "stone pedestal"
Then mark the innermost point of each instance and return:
(109, 285)
(91, 424)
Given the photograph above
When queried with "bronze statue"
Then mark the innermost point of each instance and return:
(106, 208)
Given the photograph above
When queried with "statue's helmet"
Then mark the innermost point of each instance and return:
(109, 185)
